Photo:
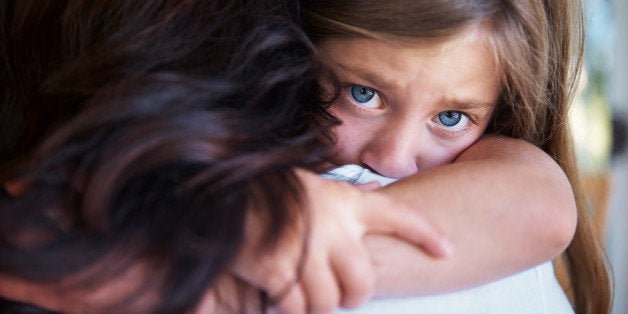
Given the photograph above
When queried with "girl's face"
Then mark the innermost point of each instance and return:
(408, 108)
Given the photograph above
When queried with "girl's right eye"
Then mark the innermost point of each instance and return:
(365, 96)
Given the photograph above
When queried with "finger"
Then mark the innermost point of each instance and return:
(408, 225)
(369, 186)
(320, 287)
(275, 277)
(293, 301)
(356, 275)
(207, 303)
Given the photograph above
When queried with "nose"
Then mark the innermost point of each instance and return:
(393, 151)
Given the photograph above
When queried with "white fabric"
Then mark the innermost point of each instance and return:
(533, 291)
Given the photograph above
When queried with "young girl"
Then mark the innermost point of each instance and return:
(409, 108)
(422, 81)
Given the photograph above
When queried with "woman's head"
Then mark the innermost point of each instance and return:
(68, 49)
(535, 43)
(148, 130)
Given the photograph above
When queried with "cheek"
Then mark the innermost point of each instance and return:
(437, 158)
(347, 145)
(351, 138)
(448, 152)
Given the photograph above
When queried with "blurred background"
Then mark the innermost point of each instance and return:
(599, 117)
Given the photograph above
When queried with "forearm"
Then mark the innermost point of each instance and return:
(504, 204)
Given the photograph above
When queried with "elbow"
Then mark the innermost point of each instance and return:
(564, 230)
(557, 202)
(553, 206)
(561, 223)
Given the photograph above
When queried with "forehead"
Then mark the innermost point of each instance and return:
(464, 64)
(475, 41)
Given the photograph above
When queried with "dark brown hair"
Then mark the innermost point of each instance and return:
(145, 131)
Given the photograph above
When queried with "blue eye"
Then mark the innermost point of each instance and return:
(362, 94)
(365, 96)
(452, 119)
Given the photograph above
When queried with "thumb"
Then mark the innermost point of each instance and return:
(369, 186)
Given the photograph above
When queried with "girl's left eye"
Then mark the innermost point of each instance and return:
(453, 120)
(365, 96)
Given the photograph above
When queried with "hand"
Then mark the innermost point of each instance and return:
(337, 268)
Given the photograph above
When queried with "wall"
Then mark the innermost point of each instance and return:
(617, 240)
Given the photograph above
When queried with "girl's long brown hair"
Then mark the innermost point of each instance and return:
(539, 47)
(144, 131)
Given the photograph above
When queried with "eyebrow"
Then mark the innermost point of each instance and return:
(378, 81)
(471, 104)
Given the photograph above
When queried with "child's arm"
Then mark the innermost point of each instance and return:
(505, 205)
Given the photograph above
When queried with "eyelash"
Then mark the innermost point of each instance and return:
(347, 93)
(348, 90)
(453, 130)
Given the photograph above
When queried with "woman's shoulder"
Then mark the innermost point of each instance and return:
(535, 290)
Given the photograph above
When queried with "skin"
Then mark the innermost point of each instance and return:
(329, 277)
(504, 211)
(499, 198)
(399, 133)
(427, 103)
(492, 196)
